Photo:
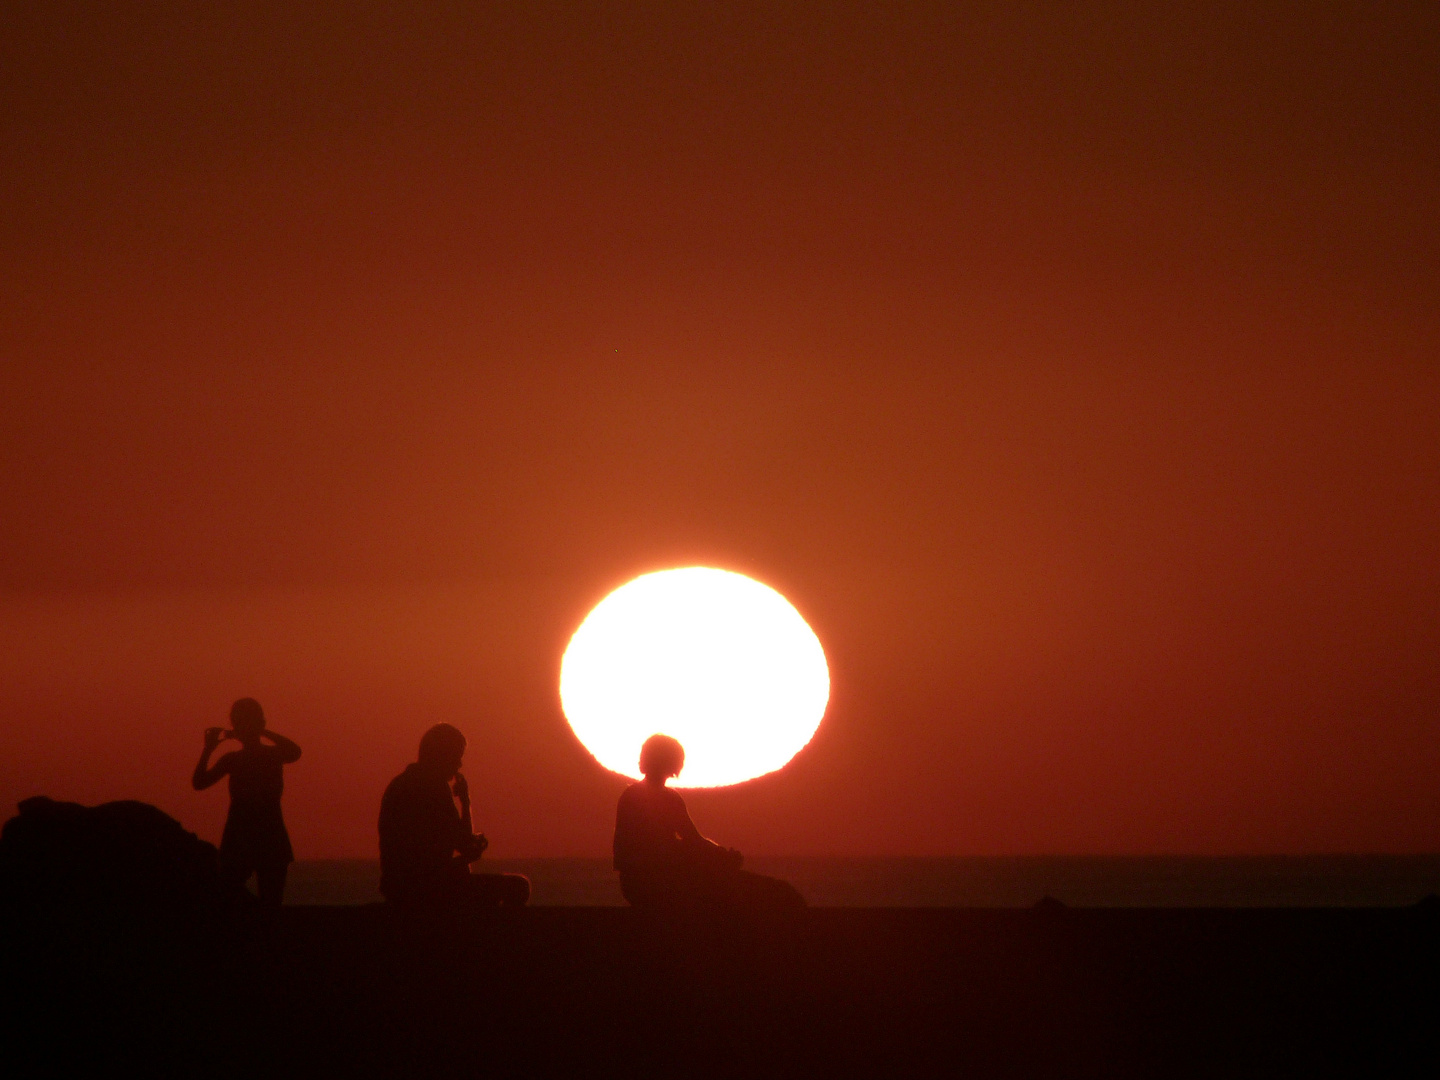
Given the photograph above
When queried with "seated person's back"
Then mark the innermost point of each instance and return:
(419, 829)
(651, 828)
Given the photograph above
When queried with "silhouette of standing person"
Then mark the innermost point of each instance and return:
(663, 860)
(426, 845)
(255, 839)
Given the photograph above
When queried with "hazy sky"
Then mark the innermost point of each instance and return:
(1074, 370)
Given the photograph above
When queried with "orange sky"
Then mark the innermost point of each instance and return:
(1074, 373)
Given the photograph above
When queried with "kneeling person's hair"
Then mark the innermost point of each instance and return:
(662, 755)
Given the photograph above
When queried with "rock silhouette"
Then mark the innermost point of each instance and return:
(117, 854)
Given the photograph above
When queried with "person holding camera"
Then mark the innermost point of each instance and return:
(255, 840)
(426, 845)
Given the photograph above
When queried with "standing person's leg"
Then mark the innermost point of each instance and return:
(235, 868)
(234, 873)
(500, 890)
(270, 883)
(237, 861)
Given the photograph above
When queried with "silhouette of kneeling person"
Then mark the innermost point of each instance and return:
(426, 846)
(255, 840)
(665, 863)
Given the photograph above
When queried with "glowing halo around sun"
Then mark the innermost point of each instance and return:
(716, 659)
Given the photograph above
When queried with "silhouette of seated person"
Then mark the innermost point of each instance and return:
(255, 840)
(665, 863)
(426, 845)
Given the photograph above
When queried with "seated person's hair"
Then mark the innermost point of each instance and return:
(441, 741)
(663, 755)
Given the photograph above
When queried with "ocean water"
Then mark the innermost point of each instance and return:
(1080, 881)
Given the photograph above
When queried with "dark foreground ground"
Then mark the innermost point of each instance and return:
(345, 992)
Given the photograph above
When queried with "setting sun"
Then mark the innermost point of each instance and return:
(718, 660)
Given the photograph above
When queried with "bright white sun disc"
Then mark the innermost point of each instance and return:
(715, 659)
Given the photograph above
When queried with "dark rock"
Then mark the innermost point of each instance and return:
(119, 853)
(1049, 903)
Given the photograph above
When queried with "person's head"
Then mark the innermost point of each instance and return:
(442, 748)
(661, 758)
(247, 719)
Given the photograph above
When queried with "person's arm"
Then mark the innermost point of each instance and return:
(289, 750)
(470, 845)
(206, 775)
(685, 828)
(689, 834)
(692, 837)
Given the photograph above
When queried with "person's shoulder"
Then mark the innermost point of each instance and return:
(648, 795)
(402, 783)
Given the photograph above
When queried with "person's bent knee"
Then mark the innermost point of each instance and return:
(498, 890)
(517, 890)
(270, 883)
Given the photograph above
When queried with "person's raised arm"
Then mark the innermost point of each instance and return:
(470, 845)
(205, 774)
(289, 749)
